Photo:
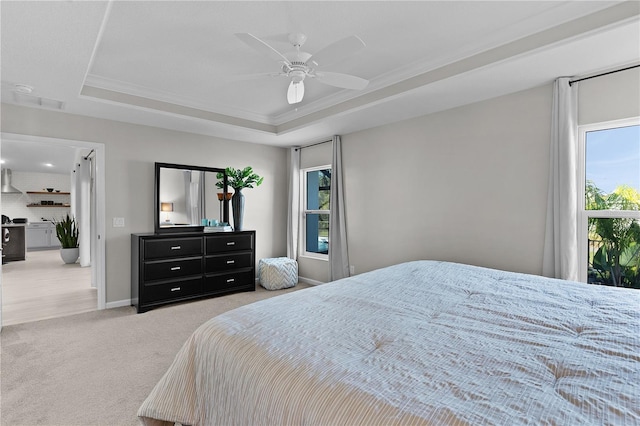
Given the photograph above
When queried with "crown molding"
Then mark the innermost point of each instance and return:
(172, 98)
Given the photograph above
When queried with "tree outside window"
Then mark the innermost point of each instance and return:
(317, 186)
(612, 206)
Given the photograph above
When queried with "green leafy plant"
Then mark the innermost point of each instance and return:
(67, 232)
(616, 261)
(239, 178)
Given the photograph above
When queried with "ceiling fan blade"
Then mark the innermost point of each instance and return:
(261, 46)
(295, 93)
(337, 51)
(345, 81)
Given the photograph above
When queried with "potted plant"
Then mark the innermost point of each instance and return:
(239, 179)
(67, 233)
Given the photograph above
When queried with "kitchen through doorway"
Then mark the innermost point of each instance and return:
(42, 285)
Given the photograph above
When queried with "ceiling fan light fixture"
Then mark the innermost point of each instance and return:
(295, 92)
(297, 75)
(297, 65)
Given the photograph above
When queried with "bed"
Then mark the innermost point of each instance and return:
(422, 342)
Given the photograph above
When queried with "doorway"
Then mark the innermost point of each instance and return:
(94, 274)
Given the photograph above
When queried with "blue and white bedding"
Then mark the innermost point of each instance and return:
(422, 342)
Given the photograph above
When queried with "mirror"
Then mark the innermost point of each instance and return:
(185, 195)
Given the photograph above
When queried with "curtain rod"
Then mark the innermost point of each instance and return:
(604, 73)
(89, 154)
(313, 144)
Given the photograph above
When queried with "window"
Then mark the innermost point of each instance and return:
(610, 206)
(315, 211)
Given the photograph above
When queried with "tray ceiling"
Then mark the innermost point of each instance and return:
(178, 65)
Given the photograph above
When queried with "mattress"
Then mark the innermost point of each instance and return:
(421, 342)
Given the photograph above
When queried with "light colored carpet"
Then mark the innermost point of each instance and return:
(96, 368)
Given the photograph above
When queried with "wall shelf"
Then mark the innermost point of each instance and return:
(48, 193)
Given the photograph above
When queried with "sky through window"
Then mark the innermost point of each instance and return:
(613, 158)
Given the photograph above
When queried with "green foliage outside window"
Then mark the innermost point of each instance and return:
(324, 193)
(614, 257)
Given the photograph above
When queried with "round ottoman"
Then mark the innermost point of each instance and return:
(278, 273)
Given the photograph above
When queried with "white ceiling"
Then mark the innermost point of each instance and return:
(25, 155)
(178, 65)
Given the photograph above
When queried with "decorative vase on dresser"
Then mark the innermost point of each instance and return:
(174, 267)
(238, 179)
(237, 205)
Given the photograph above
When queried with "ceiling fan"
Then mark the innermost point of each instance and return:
(298, 65)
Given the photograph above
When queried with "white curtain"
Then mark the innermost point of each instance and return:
(81, 207)
(293, 214)
(560, 256)
(94, 223)
(194, 185)
(338, 253)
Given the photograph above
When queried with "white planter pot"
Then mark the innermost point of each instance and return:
(69, 255)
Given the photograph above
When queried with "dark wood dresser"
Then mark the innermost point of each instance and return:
(172, 267)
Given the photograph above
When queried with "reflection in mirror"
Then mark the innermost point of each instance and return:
(186, 196)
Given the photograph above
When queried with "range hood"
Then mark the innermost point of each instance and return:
(7, 188)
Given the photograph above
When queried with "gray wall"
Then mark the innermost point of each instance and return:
(612, 97)
(465, 185)
(131, 151)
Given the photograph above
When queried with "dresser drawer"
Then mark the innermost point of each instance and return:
(172, 268)
(172, 247)
(181, 266)
(227, 261)
(229, 242)
(231, 280)
(172, 290)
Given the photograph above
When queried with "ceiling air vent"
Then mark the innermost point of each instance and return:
(38, 101)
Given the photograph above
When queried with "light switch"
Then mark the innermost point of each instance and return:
(118, 222)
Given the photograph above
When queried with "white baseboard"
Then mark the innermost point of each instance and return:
(118, 304)
(309, 281)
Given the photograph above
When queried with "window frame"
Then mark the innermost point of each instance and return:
(302, 244)
(583, 214)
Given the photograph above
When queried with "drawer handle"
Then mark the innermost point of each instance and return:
(176, 247)
(175, 268)
(230, 262)
(230, 280)
(175, 289)
(231, 243)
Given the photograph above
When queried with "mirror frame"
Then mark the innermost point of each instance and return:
(156, 198)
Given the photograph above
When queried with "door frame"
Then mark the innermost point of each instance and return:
(98, 263)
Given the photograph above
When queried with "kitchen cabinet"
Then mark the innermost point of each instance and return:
(12, 242)
(42, 236)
